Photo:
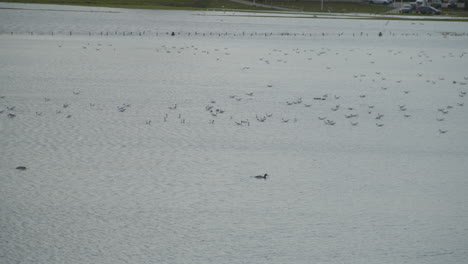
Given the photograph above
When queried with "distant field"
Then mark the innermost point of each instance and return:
(340, 7)
(335, 7)
(145, 4)
(306, 6)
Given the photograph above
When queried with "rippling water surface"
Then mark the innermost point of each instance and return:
(141, 146)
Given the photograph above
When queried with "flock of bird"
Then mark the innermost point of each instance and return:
(350, 113)
(185, 34)
(214, 111)
(328, 109)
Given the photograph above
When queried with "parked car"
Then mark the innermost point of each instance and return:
(452, 4)
(428, 10)
(436, 4)
(381, 2)
(406, 9)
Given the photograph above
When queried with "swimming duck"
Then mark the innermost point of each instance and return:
(261, 176)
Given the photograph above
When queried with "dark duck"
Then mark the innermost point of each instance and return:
(261, 176)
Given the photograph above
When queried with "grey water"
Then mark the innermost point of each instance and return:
(105, 186)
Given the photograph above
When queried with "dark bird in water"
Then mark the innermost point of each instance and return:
(22, 168)
(261, 176)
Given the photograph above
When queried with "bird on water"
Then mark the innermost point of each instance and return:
(261, 176)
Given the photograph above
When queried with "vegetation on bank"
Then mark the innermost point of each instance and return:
(348, 7)
(306, 6)
(336, 7)
(145, 4)
(332, 7)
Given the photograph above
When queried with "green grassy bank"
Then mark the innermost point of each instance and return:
(333, 7)
(306, 6)
(144, 4)
(337, 7)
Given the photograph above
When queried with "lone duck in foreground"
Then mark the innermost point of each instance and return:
(21, 168)
(261, 176)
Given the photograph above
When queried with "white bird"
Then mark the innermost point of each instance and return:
(330, 122)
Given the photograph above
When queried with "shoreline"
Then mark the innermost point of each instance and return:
(249, 13)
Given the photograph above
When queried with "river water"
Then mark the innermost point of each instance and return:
(140, 145)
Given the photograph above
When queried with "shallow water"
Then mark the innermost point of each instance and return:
(104, 186)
